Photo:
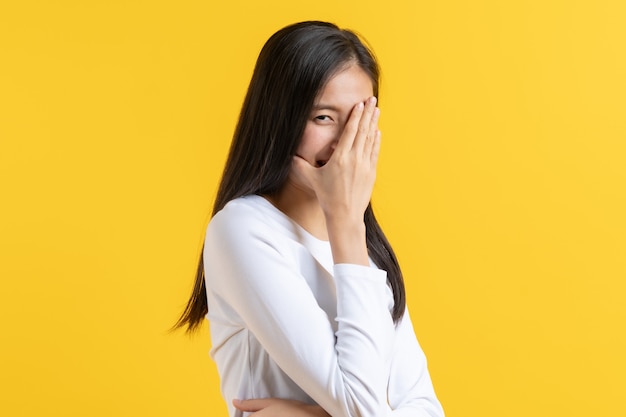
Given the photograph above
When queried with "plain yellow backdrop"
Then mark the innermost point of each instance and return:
(502, 186)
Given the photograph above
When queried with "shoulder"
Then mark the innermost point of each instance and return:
(241, 208)
(247, 219)
(248, 236)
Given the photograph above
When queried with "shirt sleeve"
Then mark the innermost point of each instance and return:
(410, 391)
(344, 372)
(368, 367)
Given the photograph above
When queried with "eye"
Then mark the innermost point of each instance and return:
(324, 118)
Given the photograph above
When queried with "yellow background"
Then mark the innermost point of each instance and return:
(501, 185)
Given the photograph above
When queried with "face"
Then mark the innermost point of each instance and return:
(330, 112)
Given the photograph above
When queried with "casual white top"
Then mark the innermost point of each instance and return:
(285, 322)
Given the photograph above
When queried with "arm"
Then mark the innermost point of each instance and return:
(345, 373)
(411, 392)
(261, 283)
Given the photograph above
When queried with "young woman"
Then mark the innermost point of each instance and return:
(303, 292)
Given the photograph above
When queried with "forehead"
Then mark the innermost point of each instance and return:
(346, 88)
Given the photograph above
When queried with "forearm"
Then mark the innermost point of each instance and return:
(342, 367)
(347, 241)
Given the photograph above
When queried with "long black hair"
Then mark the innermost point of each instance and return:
(292, 68)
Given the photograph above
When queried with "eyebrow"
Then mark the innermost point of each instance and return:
(322, 106)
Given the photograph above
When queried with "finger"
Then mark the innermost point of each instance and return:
(350, 130)
(253, 405)
(375, 148)
(302, 168)
(364, 124)
(303, 172)
(373, 131)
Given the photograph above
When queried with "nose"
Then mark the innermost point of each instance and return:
(335, 139)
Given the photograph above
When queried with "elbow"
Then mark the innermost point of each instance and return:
(363, 401)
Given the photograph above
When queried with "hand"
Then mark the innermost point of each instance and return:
(277, 407)
(343, 186)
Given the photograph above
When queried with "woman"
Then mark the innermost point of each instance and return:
(304, 294)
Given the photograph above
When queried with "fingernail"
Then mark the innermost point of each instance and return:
(372, 100)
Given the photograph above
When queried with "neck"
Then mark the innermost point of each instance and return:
(302, 207)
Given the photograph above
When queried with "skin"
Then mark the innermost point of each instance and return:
(276, 407)
(333, 171)
(329, 187)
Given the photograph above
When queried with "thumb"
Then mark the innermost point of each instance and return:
(303, 170)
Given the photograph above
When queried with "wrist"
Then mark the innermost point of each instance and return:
(348, 242)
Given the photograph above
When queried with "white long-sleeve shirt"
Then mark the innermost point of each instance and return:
(286, 322)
